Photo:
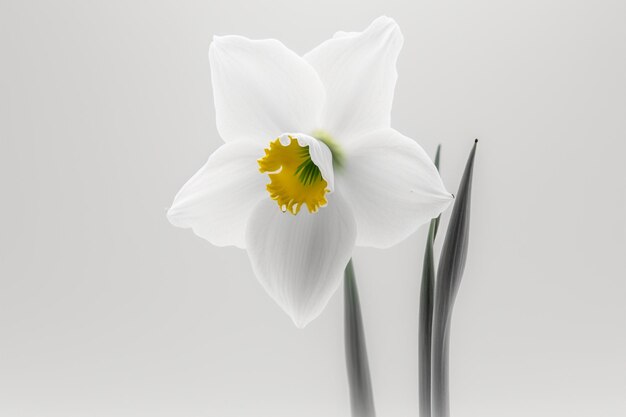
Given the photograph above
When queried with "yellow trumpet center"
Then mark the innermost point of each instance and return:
(294, 179)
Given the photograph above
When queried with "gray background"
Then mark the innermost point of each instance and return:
(107, 310)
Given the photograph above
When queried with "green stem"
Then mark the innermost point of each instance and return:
(426, 315)
(426, 323)
(361, 397)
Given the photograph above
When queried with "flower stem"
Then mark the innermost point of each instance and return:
(426, 314)
(426, 324)
(361, 398)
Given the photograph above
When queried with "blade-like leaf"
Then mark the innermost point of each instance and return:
(361, 398)
(450, 271)
(426, 314)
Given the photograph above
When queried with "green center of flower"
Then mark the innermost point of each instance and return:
(334, 147)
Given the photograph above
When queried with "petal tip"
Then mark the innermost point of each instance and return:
(171, 215)
(300, 322)
(221, 43)
(385, 20)
(444, 199)
(303, 317)
(218, 43)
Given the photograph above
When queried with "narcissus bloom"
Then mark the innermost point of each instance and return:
(310, 166)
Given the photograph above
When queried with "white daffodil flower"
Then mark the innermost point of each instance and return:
(310, 166)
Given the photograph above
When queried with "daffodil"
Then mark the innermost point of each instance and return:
(310, 166)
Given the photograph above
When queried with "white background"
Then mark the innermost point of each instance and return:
(107, 310)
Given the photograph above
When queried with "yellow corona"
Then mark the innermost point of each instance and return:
(294, 179)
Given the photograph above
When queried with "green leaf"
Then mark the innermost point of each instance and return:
(449, 274)
(361, 397)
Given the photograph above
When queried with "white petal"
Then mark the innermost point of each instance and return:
(392, 186)
(321, 156)
(300, 259)
(217, 201)
(261, 89)
(359, 73)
